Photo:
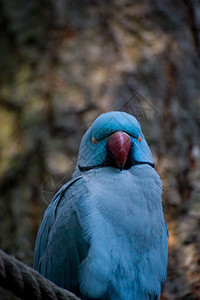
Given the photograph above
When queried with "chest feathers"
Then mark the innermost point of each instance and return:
(127, 240)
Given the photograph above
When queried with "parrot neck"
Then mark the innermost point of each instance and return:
(104, 164)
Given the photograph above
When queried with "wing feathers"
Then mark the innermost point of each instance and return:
(60, 246)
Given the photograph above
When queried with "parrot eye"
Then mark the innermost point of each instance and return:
(94, 140)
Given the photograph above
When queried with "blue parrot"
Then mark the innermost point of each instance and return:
(104, 236)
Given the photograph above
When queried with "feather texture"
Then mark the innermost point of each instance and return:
(104, 236)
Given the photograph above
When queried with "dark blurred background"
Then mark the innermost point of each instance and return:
(64, 62)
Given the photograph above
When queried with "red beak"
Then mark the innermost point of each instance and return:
(119, 145)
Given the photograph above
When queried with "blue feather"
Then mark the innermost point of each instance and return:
(104, 235)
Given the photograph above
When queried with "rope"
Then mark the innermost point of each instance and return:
(28, 284)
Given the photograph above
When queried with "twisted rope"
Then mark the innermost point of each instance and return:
(27, 283)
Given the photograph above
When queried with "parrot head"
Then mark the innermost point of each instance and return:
(115, 139)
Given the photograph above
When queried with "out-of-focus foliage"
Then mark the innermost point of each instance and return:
(64, 62)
